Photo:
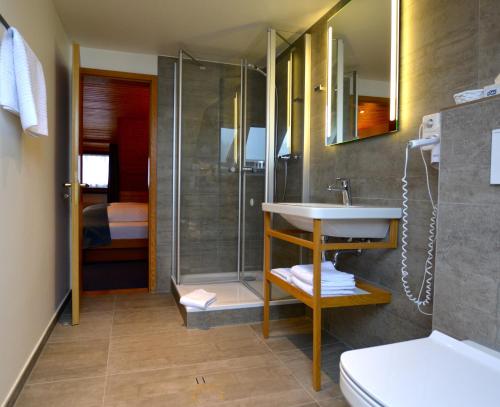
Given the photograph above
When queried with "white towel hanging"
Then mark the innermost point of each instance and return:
(22, 84)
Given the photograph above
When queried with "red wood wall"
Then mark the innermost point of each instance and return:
(117, 111)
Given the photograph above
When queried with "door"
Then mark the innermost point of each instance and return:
(74, 185)
(206, 172)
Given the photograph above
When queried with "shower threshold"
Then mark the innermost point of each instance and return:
(235, 304)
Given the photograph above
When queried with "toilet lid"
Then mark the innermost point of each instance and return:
(434, 371)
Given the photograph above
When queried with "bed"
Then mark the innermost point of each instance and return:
(115, 232)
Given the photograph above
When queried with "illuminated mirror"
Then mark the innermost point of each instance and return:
(362, 72)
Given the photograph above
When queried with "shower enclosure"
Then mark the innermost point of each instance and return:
(218, 172)
(236, 128)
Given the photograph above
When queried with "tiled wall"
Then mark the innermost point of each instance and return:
(164, 185)
(285, 254)
(446, 47)
(467, 292)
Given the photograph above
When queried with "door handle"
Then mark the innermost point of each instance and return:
(69, 185)
(243, 169)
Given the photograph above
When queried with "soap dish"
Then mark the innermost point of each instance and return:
(468, 96)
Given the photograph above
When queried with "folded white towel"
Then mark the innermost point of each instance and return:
(22, 84)
(325, 292)
(329, 274)
(198, 298)
(283, 273)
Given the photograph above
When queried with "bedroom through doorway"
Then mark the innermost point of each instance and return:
(117, 170)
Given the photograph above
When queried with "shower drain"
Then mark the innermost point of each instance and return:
(200, 380)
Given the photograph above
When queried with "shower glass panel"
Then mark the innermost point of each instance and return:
(209, 186)
(253, 180)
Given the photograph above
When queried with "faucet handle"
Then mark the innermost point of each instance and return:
(346, 182)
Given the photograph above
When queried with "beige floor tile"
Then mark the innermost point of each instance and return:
(268, 387)
(70, 360)
(338, 402)
(129, 353)
(98, 303)
(146, 320)
(282, 327)
(74, 393)
(143, 300)
(151, 359)
(299, 361)
(93, 325)
(289, 334)
(291, 398)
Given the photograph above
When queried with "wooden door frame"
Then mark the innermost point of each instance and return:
(74, 182)
(152, 80)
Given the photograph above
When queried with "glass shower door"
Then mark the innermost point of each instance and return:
(253, 180)
(208, 188)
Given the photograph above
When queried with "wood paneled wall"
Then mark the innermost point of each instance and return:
(373, 116)
(105, 101)
(117, 111)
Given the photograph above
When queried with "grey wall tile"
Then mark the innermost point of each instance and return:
(468, 246)
(442, 52)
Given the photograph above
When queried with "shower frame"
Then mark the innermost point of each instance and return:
(177, 171)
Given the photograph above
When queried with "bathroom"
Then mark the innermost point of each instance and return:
(270, 82)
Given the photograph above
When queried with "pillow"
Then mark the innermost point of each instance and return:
(128, 212)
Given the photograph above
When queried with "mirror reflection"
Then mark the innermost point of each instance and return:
(362, 41)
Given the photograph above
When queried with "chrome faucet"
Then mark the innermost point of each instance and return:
(345, 188)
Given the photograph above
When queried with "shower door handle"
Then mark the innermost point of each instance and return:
(233, 169)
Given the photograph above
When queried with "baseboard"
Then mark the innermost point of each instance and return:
(14, 392)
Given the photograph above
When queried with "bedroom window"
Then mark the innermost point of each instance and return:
(95, 169)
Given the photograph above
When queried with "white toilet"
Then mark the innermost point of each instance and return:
(437, 371)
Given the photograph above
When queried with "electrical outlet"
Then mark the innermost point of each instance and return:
(431, 127)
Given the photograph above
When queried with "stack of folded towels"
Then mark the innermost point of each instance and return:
(333, 281)
(198, 299)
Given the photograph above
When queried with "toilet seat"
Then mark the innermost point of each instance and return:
(433, 371)
(354, 394)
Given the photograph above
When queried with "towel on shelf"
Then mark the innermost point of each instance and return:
(22, 84)
(325, 292)
(329, 275)
(283, 273)
(198, 299)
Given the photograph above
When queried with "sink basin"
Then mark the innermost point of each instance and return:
(356, 221)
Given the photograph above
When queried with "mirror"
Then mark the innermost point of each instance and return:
(362, 72)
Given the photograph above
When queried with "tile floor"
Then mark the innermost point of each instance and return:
(133, 350)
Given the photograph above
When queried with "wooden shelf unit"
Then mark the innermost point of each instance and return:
(375, 294)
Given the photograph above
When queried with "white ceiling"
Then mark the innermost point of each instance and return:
(218, 30)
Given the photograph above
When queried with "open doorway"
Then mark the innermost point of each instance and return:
(118, 170)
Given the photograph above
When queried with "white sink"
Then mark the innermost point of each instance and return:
(354, 221)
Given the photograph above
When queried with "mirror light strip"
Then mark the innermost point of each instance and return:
(394, 60)
(307, 119)
(329, 90)
(289, 101)
(339, 114)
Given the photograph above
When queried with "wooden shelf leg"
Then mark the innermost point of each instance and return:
(316, 370)
(267, 270)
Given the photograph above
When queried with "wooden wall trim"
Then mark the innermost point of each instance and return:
(119, 75)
